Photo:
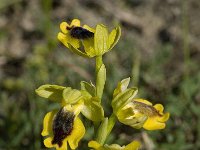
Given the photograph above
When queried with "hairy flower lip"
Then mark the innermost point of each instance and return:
(63, 122)
(80, 33)
(78, 130)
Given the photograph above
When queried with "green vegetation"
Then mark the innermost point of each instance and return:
(169, 74)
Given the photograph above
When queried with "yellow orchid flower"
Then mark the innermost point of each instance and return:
(132, 146)
(137, 113)
(62, 128)
(141, 113)
(86, 41)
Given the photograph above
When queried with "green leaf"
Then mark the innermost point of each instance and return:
(101, 78)
(85, 94)
(122, 86)
(102, 131)
(89, 87)
(71, 96)
(114, 37)
(52, 92)
(123, 98)
(93, 110)
(101, 40)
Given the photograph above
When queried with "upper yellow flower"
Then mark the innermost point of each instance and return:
(135, 145)
(61, 127)
(86, 41)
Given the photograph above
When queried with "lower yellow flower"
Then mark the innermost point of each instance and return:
(62, 127)
(141, 113)
(135, 145)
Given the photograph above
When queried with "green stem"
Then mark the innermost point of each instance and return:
(107, 124)
(99, 76)
(99, 62)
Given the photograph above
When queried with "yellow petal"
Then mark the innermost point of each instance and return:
(159, 108)
(94, 144)
(89, 28)
(135, 145)
(62, 38)
(164, 118)
(76, 134)
(63, 27)
(153, 124)
(143, 101)
(48, 144)
(47, 123)
(75, 22)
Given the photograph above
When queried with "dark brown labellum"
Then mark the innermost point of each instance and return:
(62, 126)
(80, 33)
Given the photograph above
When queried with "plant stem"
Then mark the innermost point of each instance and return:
(99, 83)
(99, 62)
(107, 124)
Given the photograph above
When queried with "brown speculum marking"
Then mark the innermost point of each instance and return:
(62, 126)
(146, 109)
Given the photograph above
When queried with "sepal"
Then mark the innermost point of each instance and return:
(52, 92)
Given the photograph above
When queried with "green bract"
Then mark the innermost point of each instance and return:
(122, 95)
(101, 78)
(52, 92)
(89, 87)
(71, 96)
(92, 108)
(104, 42)
(102, 132)
(121, 86)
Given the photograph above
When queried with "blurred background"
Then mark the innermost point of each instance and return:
(159, 49)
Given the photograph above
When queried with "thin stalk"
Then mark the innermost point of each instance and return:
(99, 91)
(99, 62)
